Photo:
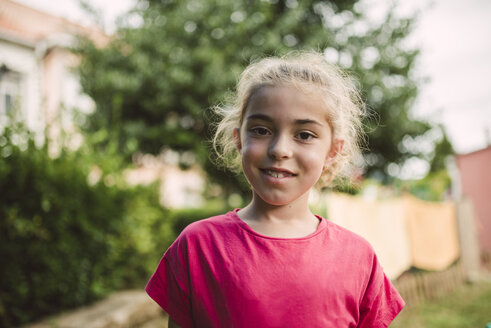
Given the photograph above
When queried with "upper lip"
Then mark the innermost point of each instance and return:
(278, 169)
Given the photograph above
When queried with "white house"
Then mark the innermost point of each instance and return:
(39, 87)
(36, 78)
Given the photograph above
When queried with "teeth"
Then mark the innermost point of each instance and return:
(276, 174)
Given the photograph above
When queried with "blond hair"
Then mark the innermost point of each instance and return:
(306, 71)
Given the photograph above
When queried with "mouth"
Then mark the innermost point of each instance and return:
(278, 173)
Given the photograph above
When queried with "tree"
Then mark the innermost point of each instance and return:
(154, 82)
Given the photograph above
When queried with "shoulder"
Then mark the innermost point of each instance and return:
(203, 234)
(348, 240)
(214, 223)
(209, 229)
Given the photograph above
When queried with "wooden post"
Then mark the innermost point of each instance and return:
(469, 247)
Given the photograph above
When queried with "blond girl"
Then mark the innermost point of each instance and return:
(293, 126)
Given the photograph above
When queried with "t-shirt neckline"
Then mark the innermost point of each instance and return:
(322, 225)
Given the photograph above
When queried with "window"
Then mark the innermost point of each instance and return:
(10, 95)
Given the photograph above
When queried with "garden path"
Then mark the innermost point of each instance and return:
(124, 309)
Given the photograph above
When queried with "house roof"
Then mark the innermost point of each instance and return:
(28, 26)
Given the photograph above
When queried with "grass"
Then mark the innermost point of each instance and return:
(468, 306)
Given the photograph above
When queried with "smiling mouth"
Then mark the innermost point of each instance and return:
(278, 174)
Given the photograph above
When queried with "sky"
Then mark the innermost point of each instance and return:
(454, 37)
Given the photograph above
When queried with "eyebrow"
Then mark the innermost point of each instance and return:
(269, 119)
(259, 117)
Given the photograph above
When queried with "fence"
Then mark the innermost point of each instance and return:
(404, 231)
(418, 287)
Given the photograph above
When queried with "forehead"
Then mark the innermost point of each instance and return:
(287, 102)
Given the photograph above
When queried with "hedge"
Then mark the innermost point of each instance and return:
(63, 241)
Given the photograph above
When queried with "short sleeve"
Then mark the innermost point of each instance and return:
(169, 288)
(381, 302)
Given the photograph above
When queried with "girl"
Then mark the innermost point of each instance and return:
(294, 125)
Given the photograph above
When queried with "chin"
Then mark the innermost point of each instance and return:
(278, 201)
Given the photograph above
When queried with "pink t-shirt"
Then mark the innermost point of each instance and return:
(221, 273)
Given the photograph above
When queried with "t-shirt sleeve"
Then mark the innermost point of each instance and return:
(169, 287)
(381, 302)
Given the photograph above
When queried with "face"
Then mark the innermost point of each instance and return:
(285, 141)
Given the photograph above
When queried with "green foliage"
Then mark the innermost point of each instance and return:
(434, 187)
(442, 150)
(65, 242)
(154, 83)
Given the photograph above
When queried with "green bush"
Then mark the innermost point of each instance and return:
(65, 242)
(435, 186)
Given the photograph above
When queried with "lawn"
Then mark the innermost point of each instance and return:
(468, 306)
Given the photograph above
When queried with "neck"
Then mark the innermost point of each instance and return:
(259, 210)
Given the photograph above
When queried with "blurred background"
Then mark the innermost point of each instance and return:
(104, 155)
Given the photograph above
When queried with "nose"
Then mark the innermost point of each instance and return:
(280, 148)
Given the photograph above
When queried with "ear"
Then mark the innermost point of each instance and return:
(336, 148)
(238, 144)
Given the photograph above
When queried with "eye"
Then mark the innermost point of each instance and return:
(260, 131)
(305, 136)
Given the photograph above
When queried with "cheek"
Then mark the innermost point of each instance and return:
(251, 152)
(253, 147)
(251, 160)
(314, 161)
